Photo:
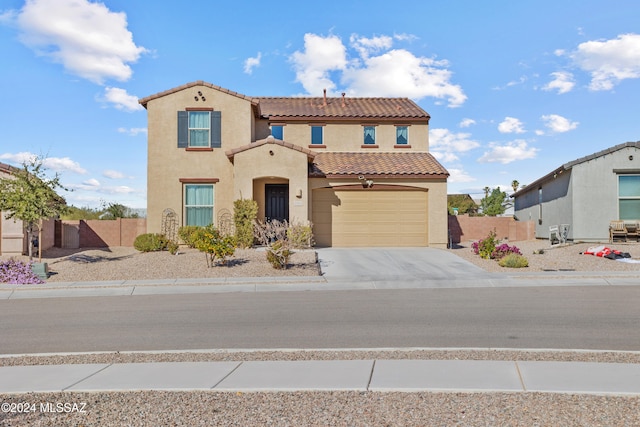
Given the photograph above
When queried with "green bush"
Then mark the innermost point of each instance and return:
(300, 236)
(486, 247)
(513, 261)
(172, 247)
(216, 246)
(245, 212)
(278, 254)
(150, 242)
(187, 234)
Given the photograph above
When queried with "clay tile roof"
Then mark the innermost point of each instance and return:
(269, 140)
(372, 165)
(357, 108)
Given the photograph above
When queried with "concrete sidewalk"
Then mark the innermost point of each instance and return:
(343, 375)
(306, 283)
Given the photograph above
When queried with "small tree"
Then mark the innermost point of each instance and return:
(30, 196)
(493, 204)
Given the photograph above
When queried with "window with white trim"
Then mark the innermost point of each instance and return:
(629, 197)
(402, 135)
(369, 135)
(198, 204)
(316, 135)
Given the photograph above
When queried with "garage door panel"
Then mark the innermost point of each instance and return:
(351, 218)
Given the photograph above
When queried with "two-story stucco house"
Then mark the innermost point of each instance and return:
(358, 169)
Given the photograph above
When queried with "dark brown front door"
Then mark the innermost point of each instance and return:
(276, 199)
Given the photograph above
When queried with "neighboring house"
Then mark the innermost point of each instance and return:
(13, 237)
(13, 240)
(358, 169)
(586, 194)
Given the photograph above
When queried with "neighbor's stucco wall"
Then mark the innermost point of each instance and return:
(585, 197)
(596, 192)
(167, 164)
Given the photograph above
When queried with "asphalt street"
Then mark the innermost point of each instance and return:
(572, 317)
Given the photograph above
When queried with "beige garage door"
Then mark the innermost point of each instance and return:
(361, 218)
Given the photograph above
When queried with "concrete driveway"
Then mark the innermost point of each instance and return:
(398, 264)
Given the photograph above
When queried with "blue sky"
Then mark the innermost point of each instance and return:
(514, 88)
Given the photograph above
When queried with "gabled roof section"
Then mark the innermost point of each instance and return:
(340, 108)
(565, 167)
(8, 169)
(376, 165)
(144, 101)
(270, 140)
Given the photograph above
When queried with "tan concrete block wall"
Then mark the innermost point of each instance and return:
(465, 228)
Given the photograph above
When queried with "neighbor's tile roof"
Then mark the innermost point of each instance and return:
(371, 165)
(357, 108)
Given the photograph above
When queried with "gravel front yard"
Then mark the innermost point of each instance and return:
(122, 263)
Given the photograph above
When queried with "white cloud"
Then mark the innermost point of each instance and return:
(121, 99)
(111, 174)
(562, 82)
(366, 46)
(445, 145)
(509, 152)
(321, 55)
(132, 131)
(87, 38)
(251, 63)
(511, 125)
(465, 123)
(401, 73)
(559, 124)
(56, 164)
(91, 183)
(376, 71)
(609, 61)
(459, 175)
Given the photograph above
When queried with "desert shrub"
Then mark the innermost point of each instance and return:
(300, 236)
(245, 212)
(278, 254)
(186, 234)
(513, 260)
(503, 250)
(269, 232)
(214, 245)
(150, 242)
(486, 246)
(172, 247)
(18, 272)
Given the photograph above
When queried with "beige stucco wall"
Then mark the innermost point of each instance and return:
(349, 136)
(273, 164)
(167, 164)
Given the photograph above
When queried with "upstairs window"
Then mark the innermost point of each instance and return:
(277, 131)
(369, 135)
(199, 128)
(629, 197)
(402, 135)
(316, 135)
